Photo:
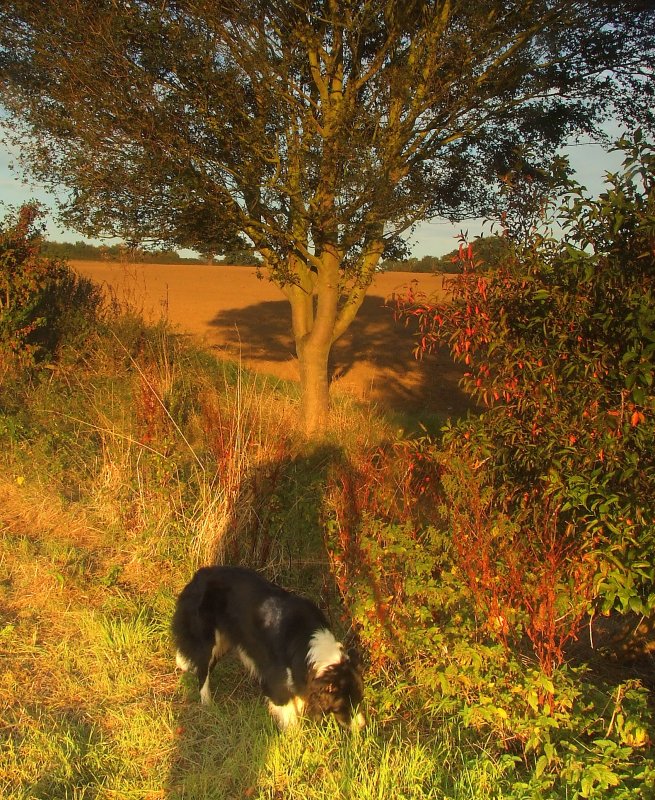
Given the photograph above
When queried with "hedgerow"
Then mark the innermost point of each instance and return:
(44, 305)
(560, 348)
(541, 508)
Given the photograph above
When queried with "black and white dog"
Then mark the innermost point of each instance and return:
(283, 640)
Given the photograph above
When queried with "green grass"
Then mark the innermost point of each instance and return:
(92, 708)
(119, 475)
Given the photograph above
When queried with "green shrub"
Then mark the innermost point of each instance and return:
(447, 646)
(44, 305)
(539, 509)
(559, 342)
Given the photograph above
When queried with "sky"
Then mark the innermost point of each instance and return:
(590, 162)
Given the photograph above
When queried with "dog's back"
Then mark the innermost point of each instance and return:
(243, 606)
(233, 607)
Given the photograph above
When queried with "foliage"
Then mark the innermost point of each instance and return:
(489, 249)
(541, 506)
(560, 345)
(240, 256)
(43, 304)
(316, 132)
(425, 264)
(444, 657)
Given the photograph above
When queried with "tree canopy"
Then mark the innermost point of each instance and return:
(316, 131)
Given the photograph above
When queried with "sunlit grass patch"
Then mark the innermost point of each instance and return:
(141, 739)
(46, 754)
(87, 711)
(85, 669)
(119, 652)
(321, 761)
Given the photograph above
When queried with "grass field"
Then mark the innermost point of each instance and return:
(133, 457)
(108, 502)
(92, 707)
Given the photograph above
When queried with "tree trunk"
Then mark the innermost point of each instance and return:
(314, 313)
(318, 322)
(314, 386)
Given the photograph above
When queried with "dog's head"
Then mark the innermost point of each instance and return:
(338, 690)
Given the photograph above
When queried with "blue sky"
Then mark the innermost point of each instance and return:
(437, 237)
(590, 162)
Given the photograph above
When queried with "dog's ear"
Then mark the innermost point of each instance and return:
(320, 698)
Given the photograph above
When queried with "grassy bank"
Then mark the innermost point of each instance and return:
(125, 465)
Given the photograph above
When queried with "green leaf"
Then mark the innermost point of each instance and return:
(542, 764)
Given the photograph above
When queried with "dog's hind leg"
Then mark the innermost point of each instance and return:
(183, 663)
(208, 662)
(205, 694)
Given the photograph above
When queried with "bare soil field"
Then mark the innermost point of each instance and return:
(242, 316)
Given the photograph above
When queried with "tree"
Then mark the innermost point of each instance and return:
(240, 256)
(315, 131)
(488, 249)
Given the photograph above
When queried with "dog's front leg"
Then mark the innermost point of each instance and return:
(288, 715)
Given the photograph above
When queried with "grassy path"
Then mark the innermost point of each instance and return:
(91, 706)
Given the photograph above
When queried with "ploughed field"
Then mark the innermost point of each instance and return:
(245, 317)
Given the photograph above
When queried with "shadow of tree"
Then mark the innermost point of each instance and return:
(373, 359)
(277, 524)
(220, 750)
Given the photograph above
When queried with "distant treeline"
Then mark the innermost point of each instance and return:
(489, 249)
(82, 251)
